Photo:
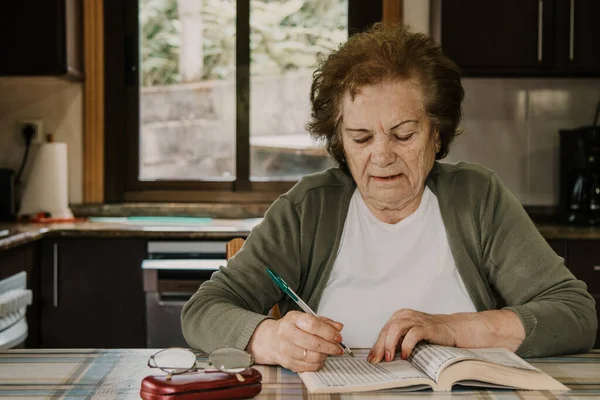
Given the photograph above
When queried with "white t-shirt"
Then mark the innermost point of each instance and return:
(381, 268)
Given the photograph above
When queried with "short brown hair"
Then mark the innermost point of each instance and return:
(384, 52)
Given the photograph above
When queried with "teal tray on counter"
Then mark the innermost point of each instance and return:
(150, 220)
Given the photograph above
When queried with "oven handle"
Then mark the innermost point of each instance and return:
(185, 264)
(173, 300)
(172, 303)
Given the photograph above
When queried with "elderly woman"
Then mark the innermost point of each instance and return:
(392, 247)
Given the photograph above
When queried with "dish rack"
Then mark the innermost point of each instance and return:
(14, 299)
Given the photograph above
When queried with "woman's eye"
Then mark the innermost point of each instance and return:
(405, 137)
(362, 140)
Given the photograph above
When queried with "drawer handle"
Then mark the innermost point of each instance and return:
(55, 274)
(540, 29)
(572, 31)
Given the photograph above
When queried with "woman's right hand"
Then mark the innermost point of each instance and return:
(298, 341)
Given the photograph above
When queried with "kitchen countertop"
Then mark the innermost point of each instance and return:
(557, 231)
(199, 228)
(213, 210)
(172, 228)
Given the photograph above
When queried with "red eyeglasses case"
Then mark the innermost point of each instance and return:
(202, 385)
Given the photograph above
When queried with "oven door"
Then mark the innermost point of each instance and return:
(168, 285)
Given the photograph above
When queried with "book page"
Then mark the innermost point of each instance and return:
(432, 359)
(503, 357)
(346, 374)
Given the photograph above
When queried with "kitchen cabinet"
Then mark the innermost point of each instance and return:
(559, 246)
(521, 37)
(582, 257)
(363, 14)
(92, 293)
(25, 258)
(42, 38)
(584, 262)
(577, 35)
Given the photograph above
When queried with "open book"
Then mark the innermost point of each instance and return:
(430, 366)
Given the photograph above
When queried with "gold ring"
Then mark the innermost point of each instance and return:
(304, 357)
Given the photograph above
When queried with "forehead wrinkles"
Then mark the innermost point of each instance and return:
(408, 94)
(415, 107)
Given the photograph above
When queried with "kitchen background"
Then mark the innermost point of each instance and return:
(136, 273)
(510, 124)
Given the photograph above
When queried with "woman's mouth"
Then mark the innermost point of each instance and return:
(387, 178)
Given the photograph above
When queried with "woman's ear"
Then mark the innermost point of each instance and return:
(438, 141)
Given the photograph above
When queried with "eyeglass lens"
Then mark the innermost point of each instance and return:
(230, 360)
(175, 360)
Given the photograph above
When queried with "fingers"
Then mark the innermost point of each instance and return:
(299, 366)
(316, 335)
(414, 336)
(338, 326)
(302, 351)
(405, 338)
(314, 343)
(387, 342)
(317, 326)
(391, 336)
(297, 332)
(302, 366)
(308, 356)
(392, 339)
(377, 352)
(406, 328)
(302, 361)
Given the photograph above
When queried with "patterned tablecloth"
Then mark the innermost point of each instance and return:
(116, 374)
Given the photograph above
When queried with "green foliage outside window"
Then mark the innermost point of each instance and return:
(285, 35)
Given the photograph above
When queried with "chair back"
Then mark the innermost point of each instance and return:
(232, 247)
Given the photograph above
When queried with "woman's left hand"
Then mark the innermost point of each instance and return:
(406, 328)
(492, 328)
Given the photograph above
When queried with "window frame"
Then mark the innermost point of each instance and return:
(121, 87)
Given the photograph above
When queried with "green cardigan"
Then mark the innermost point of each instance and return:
(503, 260)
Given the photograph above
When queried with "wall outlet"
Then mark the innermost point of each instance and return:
(38, 126)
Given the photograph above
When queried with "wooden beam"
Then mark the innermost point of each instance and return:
(93, 136)
(393, 11)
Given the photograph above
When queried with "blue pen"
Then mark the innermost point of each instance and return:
(287, 290)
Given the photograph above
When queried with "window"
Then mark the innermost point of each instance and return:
(208, 99)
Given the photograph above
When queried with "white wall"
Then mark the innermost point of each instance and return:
(416, 14)
(60, 104)
(511, 125)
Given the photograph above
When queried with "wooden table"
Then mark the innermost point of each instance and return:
(116, 374)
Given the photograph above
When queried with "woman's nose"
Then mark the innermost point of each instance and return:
(382, 154)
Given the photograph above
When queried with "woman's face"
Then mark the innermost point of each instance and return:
(388, 143)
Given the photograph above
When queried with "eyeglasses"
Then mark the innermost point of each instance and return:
(178, 360)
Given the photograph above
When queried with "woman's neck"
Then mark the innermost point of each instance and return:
(396, 212)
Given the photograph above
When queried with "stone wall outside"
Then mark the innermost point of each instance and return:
(188, 130)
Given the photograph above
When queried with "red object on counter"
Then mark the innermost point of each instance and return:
(46, 218)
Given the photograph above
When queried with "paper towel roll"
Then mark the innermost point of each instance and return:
(47, 189)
